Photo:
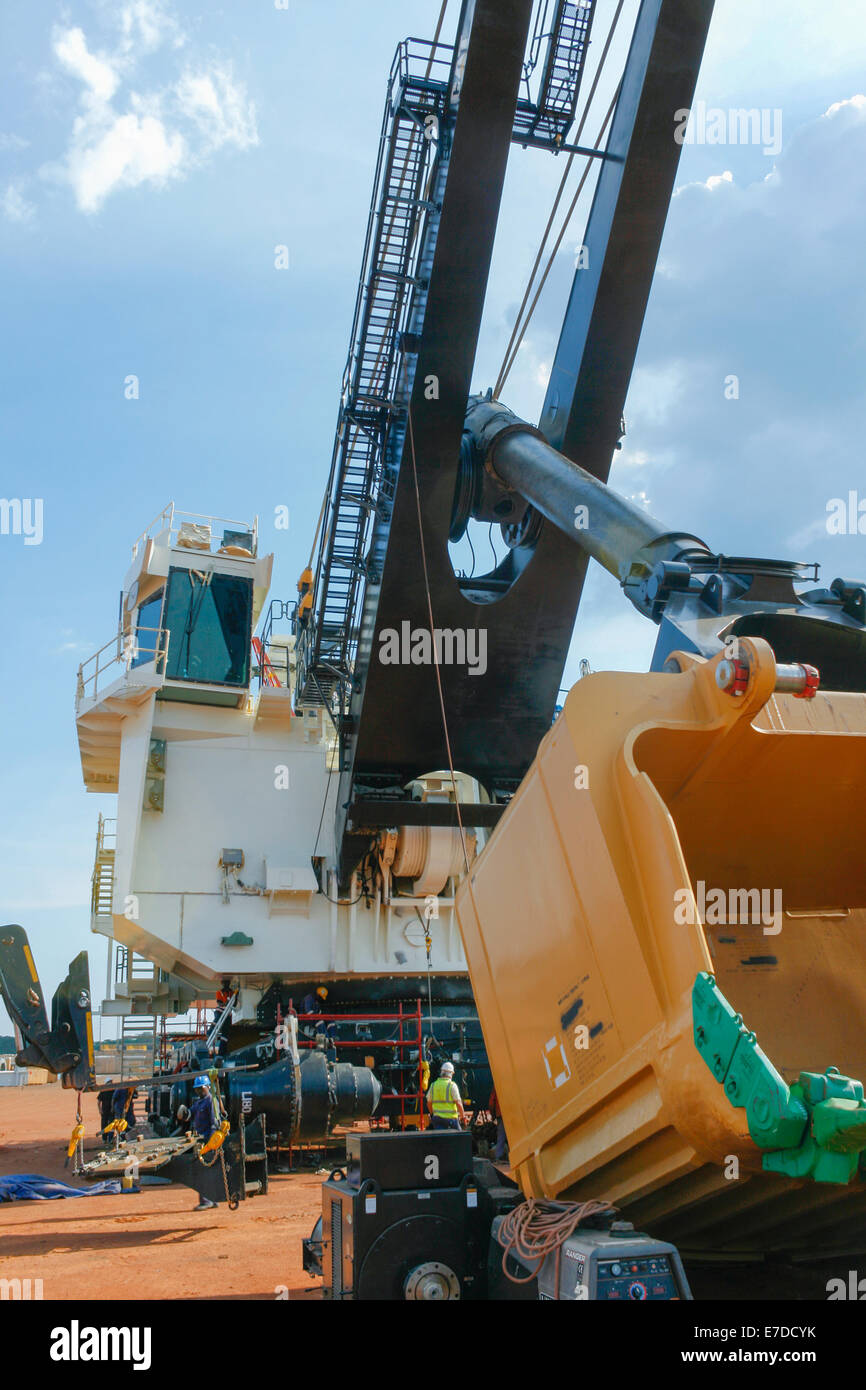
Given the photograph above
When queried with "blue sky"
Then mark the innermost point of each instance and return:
(152, 155)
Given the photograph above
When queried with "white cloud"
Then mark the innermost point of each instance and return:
(147, 24)
(97, 73)
(713, 182)
(767, 285)
(807, 536)
(219, 107)
(132, 150)
(527, 380)
(15, 206)
(542, 374)
(856, 103)
(655, 393)
(640, 499)
(129, 134)
(12, 142)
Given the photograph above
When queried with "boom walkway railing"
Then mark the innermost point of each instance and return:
(398, 250)
(399, 213)
(561, 34)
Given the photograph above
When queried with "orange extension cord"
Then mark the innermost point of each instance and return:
(537, 1227)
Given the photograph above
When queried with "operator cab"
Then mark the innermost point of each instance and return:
(190, 601)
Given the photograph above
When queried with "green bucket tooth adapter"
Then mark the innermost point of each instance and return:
(815, 1128)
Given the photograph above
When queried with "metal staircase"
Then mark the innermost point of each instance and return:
(137, 980)
(140, 994)
(561, 33)
(121, 675)
(102, 878)
(154, 1011)
(136, 1061)
(399, 213)
(401, 235)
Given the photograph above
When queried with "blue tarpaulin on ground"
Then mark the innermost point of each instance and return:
(27, 1187)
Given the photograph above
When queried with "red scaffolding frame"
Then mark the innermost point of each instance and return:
(403, 1019)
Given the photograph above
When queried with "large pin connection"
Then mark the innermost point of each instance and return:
(794, 678)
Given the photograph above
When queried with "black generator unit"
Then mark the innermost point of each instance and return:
(414, 1217)
(409, 1218)
(606, 1261)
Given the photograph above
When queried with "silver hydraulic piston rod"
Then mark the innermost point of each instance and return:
(698, 598)
(621, 536)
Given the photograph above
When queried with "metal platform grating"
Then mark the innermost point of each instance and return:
(399, 212)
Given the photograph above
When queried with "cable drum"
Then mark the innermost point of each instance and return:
(429, 855)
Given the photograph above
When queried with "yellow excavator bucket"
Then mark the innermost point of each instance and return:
(667, 940)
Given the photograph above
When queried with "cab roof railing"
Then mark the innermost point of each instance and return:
(171, 520)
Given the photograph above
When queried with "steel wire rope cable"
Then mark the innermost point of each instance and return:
(508, 359)
(538, 1228)
(506, 369)
(324, 804)
(492, 546)
(366, 861)
(426, 926)
(506, 365)
(423, 548)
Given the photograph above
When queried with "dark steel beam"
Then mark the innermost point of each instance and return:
(483, 93)
(370, 812)
(497, 716)
(598, 344)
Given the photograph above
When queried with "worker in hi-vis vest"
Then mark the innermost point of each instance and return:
(444, 1102)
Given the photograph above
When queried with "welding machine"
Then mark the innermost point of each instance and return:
(609, 1262)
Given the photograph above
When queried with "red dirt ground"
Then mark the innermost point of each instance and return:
(148, 1245)
(152, 1245)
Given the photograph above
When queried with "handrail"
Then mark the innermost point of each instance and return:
(401, 220)
(267, 674)
(161, 519)
(102, 832)
(270, 669)
(126, 651)
(103, 869)
(171, 519)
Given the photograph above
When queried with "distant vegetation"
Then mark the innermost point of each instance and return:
(7, 1043)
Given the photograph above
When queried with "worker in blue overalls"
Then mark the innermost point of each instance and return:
(203, 1120)
(123, 1105)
